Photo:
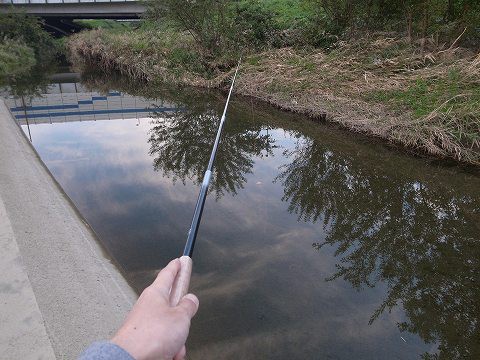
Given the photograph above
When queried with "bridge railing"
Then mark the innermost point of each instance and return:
(23, 2)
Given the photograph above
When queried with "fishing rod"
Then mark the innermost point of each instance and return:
(182, 281)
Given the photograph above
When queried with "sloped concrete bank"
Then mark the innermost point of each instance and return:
(58, 290)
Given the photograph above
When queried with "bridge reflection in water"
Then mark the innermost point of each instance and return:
(70, 102)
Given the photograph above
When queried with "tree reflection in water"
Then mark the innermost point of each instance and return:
(388, 222)
(30, 85)
(181, 144)
(390, 226)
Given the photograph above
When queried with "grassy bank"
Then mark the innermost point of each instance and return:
(427, 99)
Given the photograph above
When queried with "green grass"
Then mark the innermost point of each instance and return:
(182, 58)
(449, 103)
(288, 13)
(449, 93)
(254, 60)
(302, 63)
(107, 24)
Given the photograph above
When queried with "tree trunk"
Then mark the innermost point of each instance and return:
(425, 22)
(450, 16)
(409, 20)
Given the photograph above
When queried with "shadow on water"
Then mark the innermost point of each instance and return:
(395, 235)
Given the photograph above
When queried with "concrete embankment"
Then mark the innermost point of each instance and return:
(58, 290)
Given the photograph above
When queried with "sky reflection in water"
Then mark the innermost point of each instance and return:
(313, 245)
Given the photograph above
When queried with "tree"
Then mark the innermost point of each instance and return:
(206, 20)
(417, 18)
(28, 29)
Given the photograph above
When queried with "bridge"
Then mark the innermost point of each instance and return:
(59, 15)
(77, 9)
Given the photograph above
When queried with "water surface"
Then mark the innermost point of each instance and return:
(314, 244)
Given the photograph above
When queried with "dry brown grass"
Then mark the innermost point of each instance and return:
(140, 55)
(334, 86)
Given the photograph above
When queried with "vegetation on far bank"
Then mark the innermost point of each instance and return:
(25, 49)
(16, 58)
(408, 73)
(107, 24)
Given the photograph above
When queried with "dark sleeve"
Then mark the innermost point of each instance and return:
(105, 350)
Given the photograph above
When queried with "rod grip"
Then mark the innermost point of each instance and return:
(182, 281)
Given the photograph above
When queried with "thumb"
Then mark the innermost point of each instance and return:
(181, 354)
(189, 304)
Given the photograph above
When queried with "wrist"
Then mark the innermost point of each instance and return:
(128, 346)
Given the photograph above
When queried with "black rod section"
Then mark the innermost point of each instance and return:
(197, 215)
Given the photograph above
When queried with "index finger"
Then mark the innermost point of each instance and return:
(166, 277)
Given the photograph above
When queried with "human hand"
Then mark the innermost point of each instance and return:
(154, 329)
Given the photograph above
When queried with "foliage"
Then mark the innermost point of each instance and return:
(27, 53)
(16, 59)
(287, 12)
(254, 26)
(220, 27)
(417, 18)
(28, 29)
(207, 21)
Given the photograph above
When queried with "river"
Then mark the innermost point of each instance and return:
(314, 244)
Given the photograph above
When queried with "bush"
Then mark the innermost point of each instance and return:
(444, 20)
(16, 59)
(220, 27)
(254, 26)
(207, 21)
(27, 54)
(28, 29)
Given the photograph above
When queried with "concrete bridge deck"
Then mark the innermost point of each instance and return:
(79, 9)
